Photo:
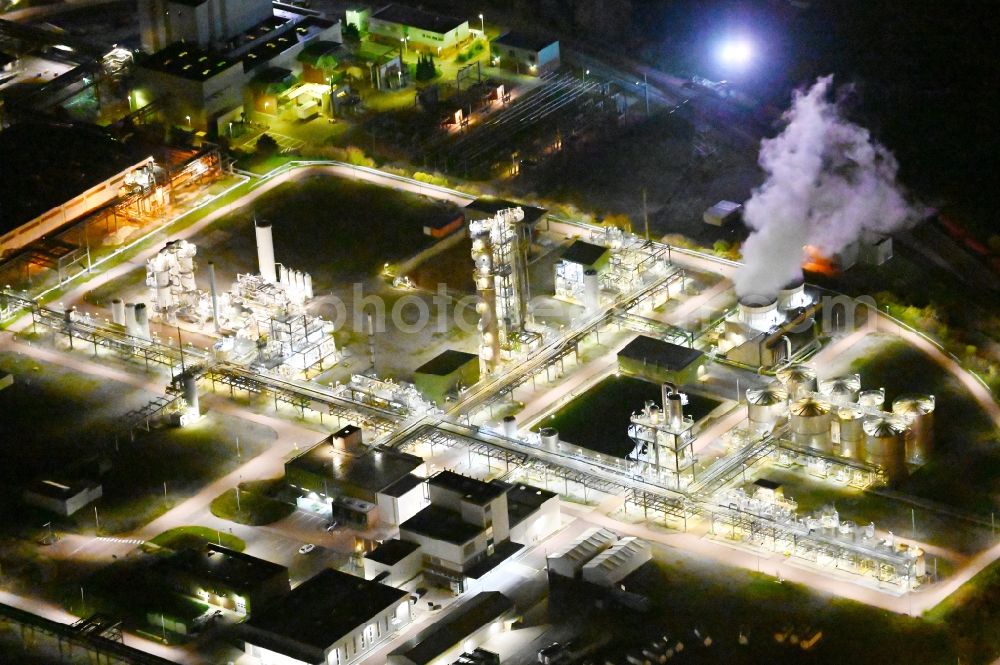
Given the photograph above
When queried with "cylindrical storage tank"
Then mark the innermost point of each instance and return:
(118, 311)
(674, 413)
(851, 434)
(759, 313)
(885, 446)
(841, 389)
(797, 378)
(265, 252)
(766, 405)
(591, 290)
(309, 286)
(142, 321)
(872, 399)
(792, 296)
(918, 411)
(810, 422)
(130, 327)
(549, 437)
(191, 395)
(510, 427)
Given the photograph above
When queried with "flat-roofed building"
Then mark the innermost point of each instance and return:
(532, 513)
(62, 497)
(525, 54)
(192, 83)
(463, 629)
(331, 619)
(418, 30)
(351, 485)
(394, 562)
(220, 576)
(202, 23)
(660, 361)
(445, 374)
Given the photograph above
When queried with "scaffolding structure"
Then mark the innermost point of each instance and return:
(501, 277)
(825, 541)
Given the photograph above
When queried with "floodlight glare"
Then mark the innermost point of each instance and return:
(735, 53)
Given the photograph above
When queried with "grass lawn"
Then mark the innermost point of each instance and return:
(964, 470)
(196, 537)
(614, 400)
(319, 223)
(186, 459)
(974, 611)
(256, 505)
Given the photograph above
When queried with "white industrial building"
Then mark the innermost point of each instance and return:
(617, 562)
(472, 526)
(62, 498)
(570, 561)
(394, 562)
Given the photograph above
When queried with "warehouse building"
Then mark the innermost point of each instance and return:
(225, 578)
(418, 30)
(661, 362)
(525, 54)
(446, 374)
(462, 629)
(332, 618)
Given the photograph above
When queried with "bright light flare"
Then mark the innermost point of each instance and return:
(735, 53)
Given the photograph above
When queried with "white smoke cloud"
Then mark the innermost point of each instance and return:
(827, 183)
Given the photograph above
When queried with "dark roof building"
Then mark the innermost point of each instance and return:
(418, 18)
(452, 634)
(659, 361)
(392, 551)
(439, 523)
(188, 62)
(586, 254)
(332, 618)
(487, 206)
(471, 490)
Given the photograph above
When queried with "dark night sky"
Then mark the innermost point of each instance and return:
(923, 76)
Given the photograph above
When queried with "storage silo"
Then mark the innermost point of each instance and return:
(810, 421)
(872, 399)
(851, 433)
(885, 446)
(797, 378)
(918, 411)
(766, 405)
(841, 389)
(549, 437)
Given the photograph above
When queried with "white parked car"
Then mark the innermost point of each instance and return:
(307, 548)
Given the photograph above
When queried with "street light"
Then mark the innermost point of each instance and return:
(482, 25)
(586, 73)
(188, 120)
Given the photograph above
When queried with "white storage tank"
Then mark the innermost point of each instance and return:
(797, 379)
(549, 437)
(885, 446)
(850, 432)
(810, 421)
(872, 399)
(918, 411)
(793, 296)
(841, 389)
(766, 405)
(510, 427)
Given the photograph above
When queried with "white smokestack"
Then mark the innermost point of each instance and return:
(827, 182)
(265, 251)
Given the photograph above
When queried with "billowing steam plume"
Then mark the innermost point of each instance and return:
(827, 183)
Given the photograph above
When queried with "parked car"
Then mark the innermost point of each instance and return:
(307, 548)
(331, 527)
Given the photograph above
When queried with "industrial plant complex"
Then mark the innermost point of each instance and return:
(296, 370)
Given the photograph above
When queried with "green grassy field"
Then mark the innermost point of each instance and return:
(196, 537)
(256, 505)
